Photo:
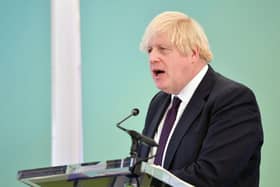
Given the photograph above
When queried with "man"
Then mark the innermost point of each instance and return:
(215, 136)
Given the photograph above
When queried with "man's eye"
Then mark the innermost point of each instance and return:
(164, 49)
(149, 50)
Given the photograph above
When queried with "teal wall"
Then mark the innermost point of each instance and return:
(244, 37)
(25, 87)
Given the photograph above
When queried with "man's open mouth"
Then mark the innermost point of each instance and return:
(158, 72)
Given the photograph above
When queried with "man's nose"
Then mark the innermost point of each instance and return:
(153, 56)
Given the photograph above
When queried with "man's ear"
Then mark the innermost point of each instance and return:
(195, 54)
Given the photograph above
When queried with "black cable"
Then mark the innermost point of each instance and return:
(76, 183)
(137, 182)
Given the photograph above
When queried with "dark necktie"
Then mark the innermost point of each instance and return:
(167, 126)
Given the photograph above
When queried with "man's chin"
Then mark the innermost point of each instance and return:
(167, 90)
(164, 89)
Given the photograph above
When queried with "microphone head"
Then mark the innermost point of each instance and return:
(135, 111)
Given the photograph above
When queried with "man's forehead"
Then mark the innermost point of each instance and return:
(159, 39)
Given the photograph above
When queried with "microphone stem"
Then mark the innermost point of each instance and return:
(118, 124)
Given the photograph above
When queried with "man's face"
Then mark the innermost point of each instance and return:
(170, 69)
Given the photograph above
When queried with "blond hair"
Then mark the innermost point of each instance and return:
(182, 31)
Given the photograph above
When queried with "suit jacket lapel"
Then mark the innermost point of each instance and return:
(192, 110)
(161, 103)
(161, 108)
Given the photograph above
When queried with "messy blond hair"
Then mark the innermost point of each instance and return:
(183, 32)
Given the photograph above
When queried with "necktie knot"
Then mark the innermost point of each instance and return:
(176, 102)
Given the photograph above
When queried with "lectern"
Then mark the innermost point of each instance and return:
(112, 173)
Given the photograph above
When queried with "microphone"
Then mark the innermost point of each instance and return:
(134, 134)
(134, 112)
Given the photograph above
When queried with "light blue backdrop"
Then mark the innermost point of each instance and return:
(25, 87)
(244, 37)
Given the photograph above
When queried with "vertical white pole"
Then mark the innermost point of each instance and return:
(67, 144)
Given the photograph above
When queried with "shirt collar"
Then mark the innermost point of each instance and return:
(186, 93)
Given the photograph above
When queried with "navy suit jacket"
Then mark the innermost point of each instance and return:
(217, 141)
